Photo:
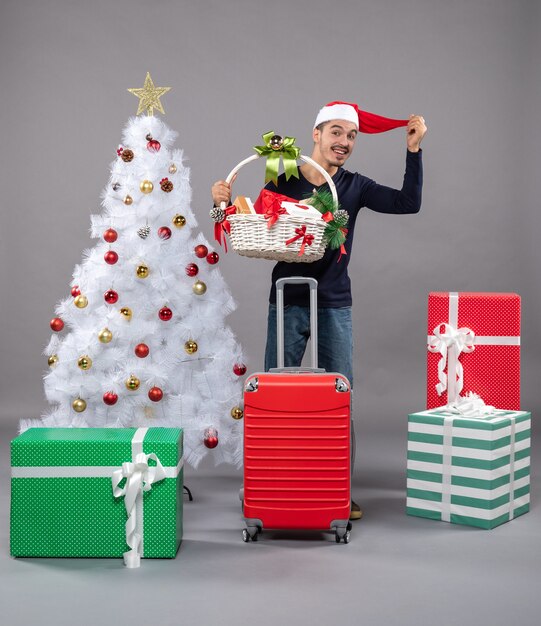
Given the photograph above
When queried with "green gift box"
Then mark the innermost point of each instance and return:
(94, 492)
(468, 470)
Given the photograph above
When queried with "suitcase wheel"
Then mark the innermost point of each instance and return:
(250, 532)
(342, 533)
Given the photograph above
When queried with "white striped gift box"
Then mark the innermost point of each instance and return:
(468, 470)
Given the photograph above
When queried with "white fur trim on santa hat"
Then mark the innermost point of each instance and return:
(337, 112)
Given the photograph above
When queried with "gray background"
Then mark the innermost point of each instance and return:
(238, 69)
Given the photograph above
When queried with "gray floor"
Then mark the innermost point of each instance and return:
(396, 570)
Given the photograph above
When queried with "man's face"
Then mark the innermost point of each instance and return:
(335, 141)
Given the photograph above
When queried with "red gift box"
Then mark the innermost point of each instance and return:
(268, 200)
(474, 345)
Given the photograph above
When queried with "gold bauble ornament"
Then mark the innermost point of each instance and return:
(190, 346)
(237, 413)
(52, 360)
(199, 287)
(80, 301)
(105, 335)
(128, 199)
(133, 383)
(84, 362)
(79, 405)
(179, 220)
(146, 186)
(125, 311)
(276, 142)
(172, 168)
(142, 271)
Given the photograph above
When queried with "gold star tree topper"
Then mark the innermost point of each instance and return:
(149, 97)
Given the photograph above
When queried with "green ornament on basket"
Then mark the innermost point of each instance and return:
(336, 218)
(276, 148)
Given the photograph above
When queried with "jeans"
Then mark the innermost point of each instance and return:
(335, 338)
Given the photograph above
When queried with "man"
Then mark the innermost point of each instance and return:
(335, 132)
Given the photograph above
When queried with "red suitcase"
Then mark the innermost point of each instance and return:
(297, 460)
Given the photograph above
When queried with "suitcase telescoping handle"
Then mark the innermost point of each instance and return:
(280, 284)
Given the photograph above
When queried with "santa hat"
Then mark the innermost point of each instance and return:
(364, 121)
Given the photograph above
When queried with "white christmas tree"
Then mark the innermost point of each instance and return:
(142, 339)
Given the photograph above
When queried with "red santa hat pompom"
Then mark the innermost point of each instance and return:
(366, 122)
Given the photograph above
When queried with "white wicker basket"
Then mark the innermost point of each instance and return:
(250, 235)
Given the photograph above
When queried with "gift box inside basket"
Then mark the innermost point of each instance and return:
(474, 345)
(468, 470)
(97, 492)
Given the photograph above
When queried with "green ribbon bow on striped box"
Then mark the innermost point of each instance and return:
(93, 492)
(468, 470)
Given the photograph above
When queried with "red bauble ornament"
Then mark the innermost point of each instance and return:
(110, 398)
(57, 324)
(165, 314)
(110, 257)
(213, 258)
(142, 350)
(110, 235)
(192, 269)
(164, 232)
(201, 251)
(153, 145)
(155, 394)
(110, 296)
(75, 291)
(210, 437)
(239, 369)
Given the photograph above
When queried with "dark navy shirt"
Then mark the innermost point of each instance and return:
(354, 192)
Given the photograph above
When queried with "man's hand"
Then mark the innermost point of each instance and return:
(221, 191)
(415, 132)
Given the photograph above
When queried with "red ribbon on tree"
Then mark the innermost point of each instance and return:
(307, 240)
(224, 227)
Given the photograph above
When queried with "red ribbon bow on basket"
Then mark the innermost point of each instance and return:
(307, 239)
(273, 212)
(224, 227)
(343, 247)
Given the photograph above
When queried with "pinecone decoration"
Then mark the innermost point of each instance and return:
(341, 218)
(166, 185)
(116, 186)
(144, 232)
(217, 215)
(127, 155)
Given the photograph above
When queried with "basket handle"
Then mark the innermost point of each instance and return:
(306, 159)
